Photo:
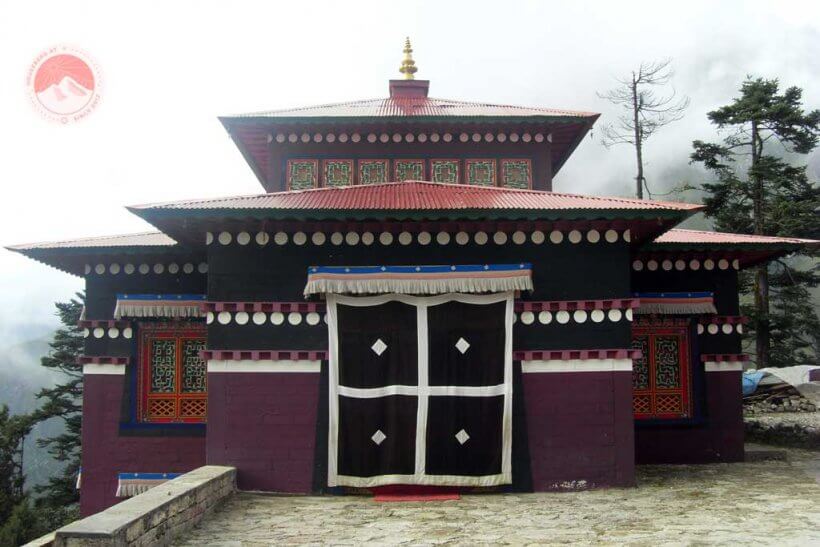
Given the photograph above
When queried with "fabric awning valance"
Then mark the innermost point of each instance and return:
(675, 303)
(131, 484)
(159, 305)
(441, 279)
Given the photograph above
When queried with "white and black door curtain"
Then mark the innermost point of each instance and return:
(420, 390)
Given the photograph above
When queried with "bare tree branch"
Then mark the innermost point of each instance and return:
(646, 111)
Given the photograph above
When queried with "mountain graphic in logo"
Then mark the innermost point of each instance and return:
(64, 84)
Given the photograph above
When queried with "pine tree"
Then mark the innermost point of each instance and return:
(759, 191)
(63, 401)
(13, 431)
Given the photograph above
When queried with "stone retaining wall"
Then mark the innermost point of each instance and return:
(156, 517)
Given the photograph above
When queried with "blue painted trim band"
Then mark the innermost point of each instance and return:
(672, 294)
(198, 297)
(147, 476)
(452, 268)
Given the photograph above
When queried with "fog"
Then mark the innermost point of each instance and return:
(169, 68)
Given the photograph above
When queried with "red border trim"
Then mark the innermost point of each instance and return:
(572, 305)
(724, 357)
(303, 307)
(724, 319)
(102, 360)
(574, 354)
(264, 355)
(105, 323)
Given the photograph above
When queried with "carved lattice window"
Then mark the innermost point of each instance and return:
(661, 378)
(172, 375)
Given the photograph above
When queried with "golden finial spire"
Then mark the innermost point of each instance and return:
(408, 65)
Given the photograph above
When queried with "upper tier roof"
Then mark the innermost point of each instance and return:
(418, 196)
(418, 107)
(679, 236)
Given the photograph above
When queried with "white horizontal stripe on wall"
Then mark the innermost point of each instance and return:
(577, 365)
(459, 391)
(713, 366)
(248, 365)
(109, 369)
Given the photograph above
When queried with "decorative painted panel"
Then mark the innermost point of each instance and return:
(163, 366)
(445, 171)
(337, 172)
(373, 171)
(480, 172)
(408, 170)
(516, 173)
(302, 174)
(194, 371)
(661, 378)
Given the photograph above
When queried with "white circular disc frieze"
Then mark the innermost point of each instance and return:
(209, 317)
(337, 238)
(368, 238)
(385, 238)
(593, 236)
(527, 317)
(202, 268)
(99, 332)
(500, 238)
(294, 318)
(712, 328)
(462, 238)
(114, 332)
(575, 236)
(666, 265)
(614, 315)
(114, 268)
(562, 317)
(519, 237)
(545, 317)
(652, 265)
(726, 328)
(709, 264)
(99, 269)
(225, 238)
(127, 333)
(243, 238)
(723, 264)
(241, 318)
(556, 237)
(480, 238)
(637, 265)
(259, 318)
(442, 238)
(280, 238)
(300, 238)
(597, 316)
(352, 238)
(611, 236)
(424, 238)
(579, 316)
(318, 238)
(262, 239)
(224, 317)
(405, 238)
(312, 318)
(277, 318)
(144, 269)
(537, 237)
(159, 268)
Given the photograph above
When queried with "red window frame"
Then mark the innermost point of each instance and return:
(663, 403)
(176, 406)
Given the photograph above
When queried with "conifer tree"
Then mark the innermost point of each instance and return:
(758, 190)
(63, 401)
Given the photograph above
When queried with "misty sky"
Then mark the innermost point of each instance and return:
(169, 68)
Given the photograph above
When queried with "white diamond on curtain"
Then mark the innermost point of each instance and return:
(462, 437)
(378, 347)
(379, 437)
(462, 345)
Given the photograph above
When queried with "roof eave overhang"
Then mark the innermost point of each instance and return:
(752, 254)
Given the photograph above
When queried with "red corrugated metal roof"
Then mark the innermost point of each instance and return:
(419, 195)
(143, 239)
(678, 235)
(413, 106)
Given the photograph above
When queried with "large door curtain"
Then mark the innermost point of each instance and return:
(159, 305)
(675, 303)
(440, 279)
(420, 389)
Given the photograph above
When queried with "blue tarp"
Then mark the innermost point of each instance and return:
(750, 381)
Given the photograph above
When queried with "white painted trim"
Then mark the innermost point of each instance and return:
(107, 369)
(266, 365)
(577, 365)
(723, 366)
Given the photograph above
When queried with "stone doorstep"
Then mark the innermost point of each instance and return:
(761, 453)
(129, 520)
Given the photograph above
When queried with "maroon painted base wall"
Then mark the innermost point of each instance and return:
(580, 429)
(718, 439)
(264, 424)
(105, 453)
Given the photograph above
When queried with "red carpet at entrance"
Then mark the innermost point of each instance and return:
(408, 492)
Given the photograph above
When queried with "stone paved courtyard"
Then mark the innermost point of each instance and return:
(770, 502)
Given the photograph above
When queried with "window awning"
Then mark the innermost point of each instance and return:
(440, 279)
(131, 484)
(159, 305)
(675, 303)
